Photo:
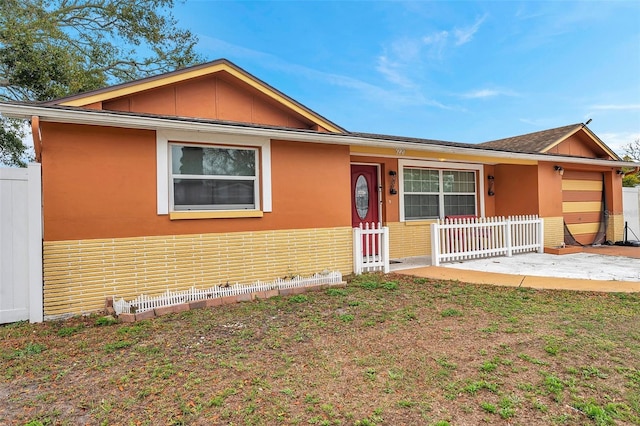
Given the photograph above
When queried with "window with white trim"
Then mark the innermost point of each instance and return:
(434, 193)
(206, 177)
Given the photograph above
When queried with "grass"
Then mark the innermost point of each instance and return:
(387, 349)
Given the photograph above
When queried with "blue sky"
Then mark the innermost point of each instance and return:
(448, 70)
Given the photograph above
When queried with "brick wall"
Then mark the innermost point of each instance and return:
(79, 275)
(409, 239)
(615, 228)
(553, 231)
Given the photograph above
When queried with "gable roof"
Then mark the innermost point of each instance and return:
(219, 66)
(543, 141)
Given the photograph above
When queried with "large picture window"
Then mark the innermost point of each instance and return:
(213, 178)
(432, 193)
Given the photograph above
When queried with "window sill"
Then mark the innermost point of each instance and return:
(215, 214)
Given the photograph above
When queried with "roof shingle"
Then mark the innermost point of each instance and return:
(533, 143)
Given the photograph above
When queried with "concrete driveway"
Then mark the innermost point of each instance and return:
(596, 269)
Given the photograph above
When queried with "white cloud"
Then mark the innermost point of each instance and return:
(406, 49)
(224, 49)
(393, 72)
(483, 93)
(436, 38)
(401, 59)
(465, 35)
(407, 95)
(618, 140)
(436, 43)
(487, 93)
(617, 107)
(460, 36)
(539, 123)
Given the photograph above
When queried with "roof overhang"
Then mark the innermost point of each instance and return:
(135, 121)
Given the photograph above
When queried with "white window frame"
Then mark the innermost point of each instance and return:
(440, 166)
(164, 181)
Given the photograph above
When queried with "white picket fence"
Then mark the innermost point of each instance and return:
(370, 248)
(471, 238)
(145, 303)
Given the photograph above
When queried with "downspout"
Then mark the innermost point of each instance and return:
(37, 137)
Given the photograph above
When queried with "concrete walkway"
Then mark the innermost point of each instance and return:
(508, 280)
(607, 271)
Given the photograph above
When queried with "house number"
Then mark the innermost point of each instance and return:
(400, 151)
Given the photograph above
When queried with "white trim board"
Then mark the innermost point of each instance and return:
(162, 161)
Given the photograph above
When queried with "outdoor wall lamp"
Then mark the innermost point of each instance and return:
(559, 169)
(620, 172)
(392, 188)
(492, 181)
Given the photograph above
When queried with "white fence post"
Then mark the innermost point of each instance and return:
(34, 199)
(357, 251)
(507, 238)
(385, 249)
(541, 236)
(435, 244)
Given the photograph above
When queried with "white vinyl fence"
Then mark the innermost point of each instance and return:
(631, 211)
(370, 248)
(472, 238)
(20, 244)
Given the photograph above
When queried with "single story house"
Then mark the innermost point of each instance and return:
(208, 175)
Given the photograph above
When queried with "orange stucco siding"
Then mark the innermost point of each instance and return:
(96, 180)
(549, 190)
(310, 185)
(210, 97)
(489, 200)
(516, 189)
(613, 192)
(100, 182)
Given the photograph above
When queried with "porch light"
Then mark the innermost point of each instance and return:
(392, 188)
(559, 169)
(491, 180)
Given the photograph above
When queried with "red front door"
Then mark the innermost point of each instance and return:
(364, 195)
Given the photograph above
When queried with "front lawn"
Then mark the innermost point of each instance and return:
(385, 350)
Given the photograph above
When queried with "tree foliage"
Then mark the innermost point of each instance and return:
(632, 150)
(55, 48)
(12, 150)
(632, 153)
